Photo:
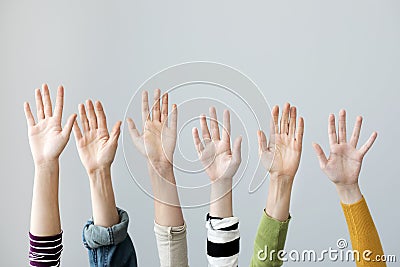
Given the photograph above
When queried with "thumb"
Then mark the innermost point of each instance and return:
(321, 155)
(116, 131)
(68, 126)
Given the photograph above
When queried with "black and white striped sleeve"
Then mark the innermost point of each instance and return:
(222, 241)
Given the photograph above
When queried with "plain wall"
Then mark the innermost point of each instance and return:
(319, 55)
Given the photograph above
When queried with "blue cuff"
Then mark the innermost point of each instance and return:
(95, 236)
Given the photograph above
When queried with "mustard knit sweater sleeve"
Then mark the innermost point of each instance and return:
(363, 233)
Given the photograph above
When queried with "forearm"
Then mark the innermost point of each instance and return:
(223, 229)
(167, 208)
(45, 215)
(278, 200)
(221, 199)
(103, 201)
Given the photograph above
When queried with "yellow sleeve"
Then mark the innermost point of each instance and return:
(363, 233)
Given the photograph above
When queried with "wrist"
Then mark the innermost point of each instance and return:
(47, 164)
(100, 173)
(350, 193)
(278, 201)
(221, 198)
(160, 169)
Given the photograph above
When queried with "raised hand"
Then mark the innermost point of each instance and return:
(343, 165)
(97, 148)
(281, 155)
(219, 161)
(95, 145)
(158, 139)
(47, 138)
(157, 143)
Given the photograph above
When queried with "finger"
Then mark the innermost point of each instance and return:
(356, 132)
(145, 108)
(84, 119)
(174, 117)
(292, 121)
(196, 139)
(237, 150)
(272, 134)
(332, 130)
(321, 155)
(364, 149)
(77, 131)
(68, 126)
(275, 117)
(135, 136)
(116, 131)
(214, 124)
(285, 119)
(59, 102)
(48, 109)
(300, 132)
(28, 114)
(91, 114)
(226, 131)
(101, 116)
(156, 105)
(262, 141)
(342, 126)
(164, 109)
(133, 131)
(39, 105)
(204, 128)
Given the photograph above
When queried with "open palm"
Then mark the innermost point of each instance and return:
(215, 152)
(47, 138)
(344, 162)
(158, 140)
(96, 147)
(281, 156)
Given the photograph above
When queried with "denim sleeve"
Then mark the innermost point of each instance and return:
(110, 246)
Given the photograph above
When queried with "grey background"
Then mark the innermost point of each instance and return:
(320, 55)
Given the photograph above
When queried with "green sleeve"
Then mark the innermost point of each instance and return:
(271, 235)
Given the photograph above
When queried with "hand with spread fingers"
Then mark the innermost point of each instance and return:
(96, 146)
(281, 155)
(219, 161)
(158, 139)
(157, 143)
(343, 165)
(47, 137)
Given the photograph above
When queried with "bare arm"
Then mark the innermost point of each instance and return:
(220, 162)
(97, 150)
(281, 156)
(47, 140)
(157, 144)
